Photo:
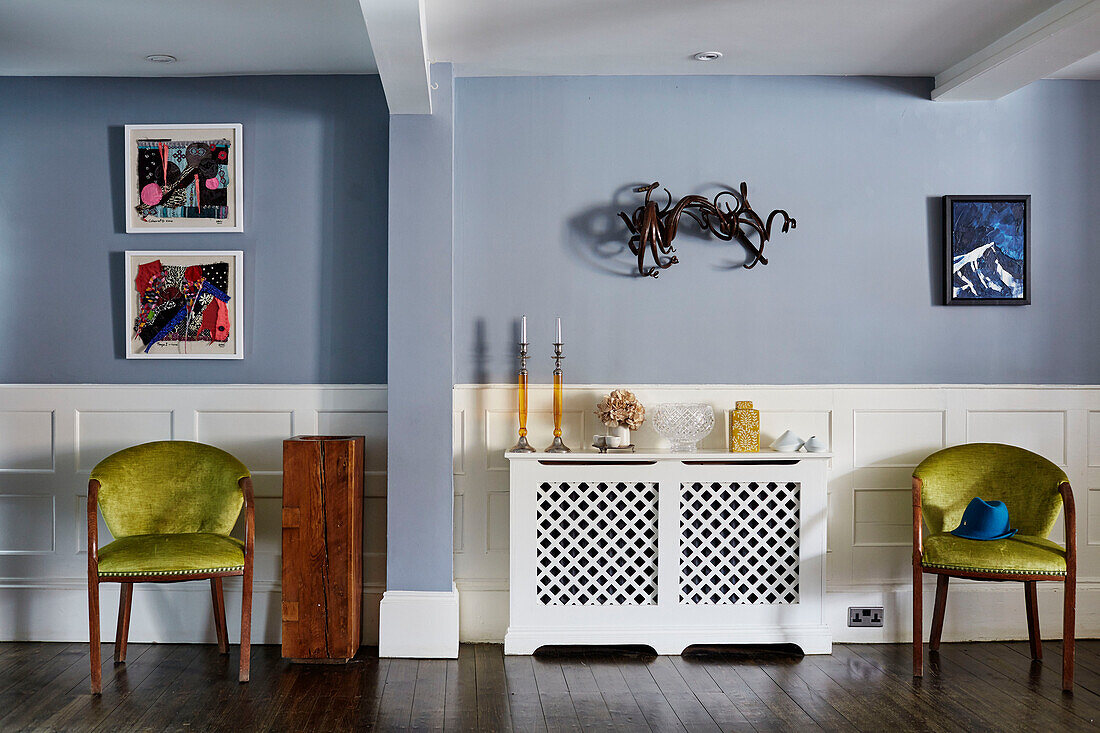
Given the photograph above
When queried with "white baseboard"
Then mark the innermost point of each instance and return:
(419, 624)
(163, 613)
(975, 612)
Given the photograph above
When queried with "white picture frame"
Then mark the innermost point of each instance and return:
(232, 348)
(232, 169)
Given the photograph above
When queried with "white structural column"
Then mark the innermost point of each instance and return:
(419, 611)
(398, 39)
(1049, 42)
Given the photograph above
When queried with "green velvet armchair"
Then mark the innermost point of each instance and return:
(1034, 490)
(170, 506)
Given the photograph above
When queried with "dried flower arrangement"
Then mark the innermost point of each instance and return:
(621, 407)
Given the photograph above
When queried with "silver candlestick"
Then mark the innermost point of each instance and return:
(557, 446)
(522, 446)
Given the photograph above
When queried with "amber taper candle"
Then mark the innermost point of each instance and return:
(558, 446)
(522, 446)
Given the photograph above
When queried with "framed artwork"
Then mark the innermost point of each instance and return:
(184, 305)
(987, 242)
(184, 178)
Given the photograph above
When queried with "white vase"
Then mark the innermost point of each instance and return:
(623, 432)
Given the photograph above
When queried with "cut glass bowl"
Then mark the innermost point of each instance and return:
(683, 424)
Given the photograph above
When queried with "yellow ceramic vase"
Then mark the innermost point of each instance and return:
(744, 429)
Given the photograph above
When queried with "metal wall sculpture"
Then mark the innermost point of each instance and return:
(652, 228)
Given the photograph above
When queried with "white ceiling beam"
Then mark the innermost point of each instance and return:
(1049, 42)
(396, 31)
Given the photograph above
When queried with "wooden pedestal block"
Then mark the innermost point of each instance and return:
(322, 547)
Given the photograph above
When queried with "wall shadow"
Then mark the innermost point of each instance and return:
(480, 352)
(353, 334)
(116, 269)
(116, 171)
(598, 236)
(936, 254)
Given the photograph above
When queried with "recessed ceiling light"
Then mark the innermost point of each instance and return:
(161, 58)
(707, 56)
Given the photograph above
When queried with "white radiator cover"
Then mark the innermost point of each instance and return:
(667, 550)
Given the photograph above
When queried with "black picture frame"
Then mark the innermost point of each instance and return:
(953, 242)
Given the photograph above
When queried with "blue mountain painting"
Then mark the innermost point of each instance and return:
(987, 249)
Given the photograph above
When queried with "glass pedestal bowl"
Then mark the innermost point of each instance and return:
(683, 424)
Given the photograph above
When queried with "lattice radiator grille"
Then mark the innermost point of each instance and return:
(739, 543)
(596, 544)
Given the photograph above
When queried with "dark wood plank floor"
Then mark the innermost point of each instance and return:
(972, 687)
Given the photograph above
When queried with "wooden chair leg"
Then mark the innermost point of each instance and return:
(938, 611)
(918, 625)
(246, 623)
(1068, 633)
(93, 634)
(218, 598)
(122, 633)
(1031, 605)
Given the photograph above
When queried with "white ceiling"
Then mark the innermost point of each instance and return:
(512, 37)
(113, 37)
(570, 37)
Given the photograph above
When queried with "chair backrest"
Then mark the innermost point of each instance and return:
(1027, 483)
(170, 487)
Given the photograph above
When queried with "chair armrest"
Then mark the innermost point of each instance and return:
(93, 527)
(249, 517)
(918, 544)
(1071, 526)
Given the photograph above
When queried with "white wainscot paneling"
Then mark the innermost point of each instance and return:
(1094, 438)
(27, 524)
(1092, 514)
(99, 433)
(496, 521)
(458, 436)
(802, 424)
(877, 434)
(374, 540)
(1040, 431)
(26, 440)
(502, 426)
(269, 538)
(868, 562)
(51, 436)
(883, 517)
(897, 438)
(370, 424)
(255, 437)
(459, 520)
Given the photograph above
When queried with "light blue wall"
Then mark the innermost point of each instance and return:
(315, 173)
(419, 470)
(851, 296)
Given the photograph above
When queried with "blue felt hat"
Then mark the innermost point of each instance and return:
(984, 520)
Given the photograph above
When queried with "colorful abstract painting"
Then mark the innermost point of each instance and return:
(987, 250)
(183, 304)
(183, 178)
